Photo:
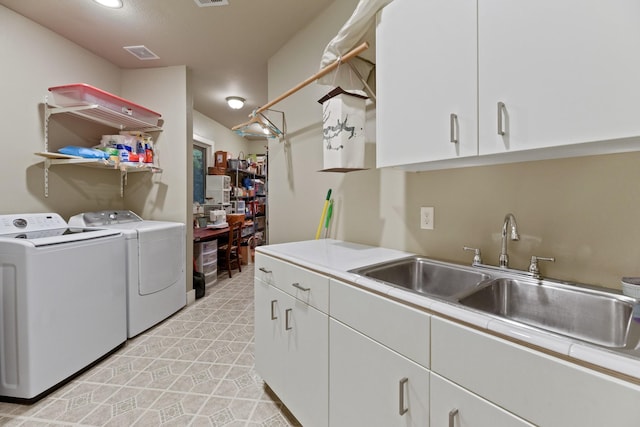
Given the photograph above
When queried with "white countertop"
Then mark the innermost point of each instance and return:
(336, 258)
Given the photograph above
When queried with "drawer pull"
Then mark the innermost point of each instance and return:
(297, 285)
(452, 417)
(453, 131)
(402, 409)
(264, 270)
(273, 309)
(287, 319)
(501, 112)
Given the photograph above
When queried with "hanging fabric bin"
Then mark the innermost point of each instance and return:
(343, 138)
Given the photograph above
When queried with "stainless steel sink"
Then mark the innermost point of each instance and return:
(423, 276)
(598, 317)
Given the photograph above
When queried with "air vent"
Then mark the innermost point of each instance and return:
(141, 52)
(207, 3)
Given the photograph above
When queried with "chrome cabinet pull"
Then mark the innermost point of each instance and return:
(273, 309)
(452, 417)
(501, 111)
(264, 270)
(297, 285)
(453, 124)
(402, 409)
(287, 319)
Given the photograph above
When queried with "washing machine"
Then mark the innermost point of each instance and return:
(62, 301)
(156, 254)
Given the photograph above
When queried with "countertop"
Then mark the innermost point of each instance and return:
(335, 258)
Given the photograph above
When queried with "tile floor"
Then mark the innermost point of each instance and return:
(194, 369)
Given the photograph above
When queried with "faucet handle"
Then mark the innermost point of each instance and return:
(534, 269)
(477, 258)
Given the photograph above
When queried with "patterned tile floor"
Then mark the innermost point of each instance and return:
(194, 369)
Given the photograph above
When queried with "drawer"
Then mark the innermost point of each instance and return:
(305, 285)
(399, 327)
(453, 405)
(210, 246)
(209, 268)
(538, 387)
(208, 258)
(269, 270)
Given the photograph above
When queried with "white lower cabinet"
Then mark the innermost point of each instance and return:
(371, 385)
(341, 356)
(453, 406)
(291, 341)
(540, 388)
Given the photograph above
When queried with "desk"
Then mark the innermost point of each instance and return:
(206, 234)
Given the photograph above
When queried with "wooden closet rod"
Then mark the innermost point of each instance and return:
(326, 70)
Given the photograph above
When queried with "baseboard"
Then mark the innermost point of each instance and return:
(191, 296)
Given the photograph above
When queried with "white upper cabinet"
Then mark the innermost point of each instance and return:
(526, 80)
(566, 71)
(426, 72)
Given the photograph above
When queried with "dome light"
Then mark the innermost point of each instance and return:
(235, 102)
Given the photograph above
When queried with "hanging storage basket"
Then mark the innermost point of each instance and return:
(343, 137)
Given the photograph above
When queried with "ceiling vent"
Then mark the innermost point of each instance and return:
(207, 3)
(141, 52)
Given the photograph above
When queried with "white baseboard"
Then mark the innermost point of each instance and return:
(191, 296)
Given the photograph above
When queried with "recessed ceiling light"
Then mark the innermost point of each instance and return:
(113, 4)
(235, 102)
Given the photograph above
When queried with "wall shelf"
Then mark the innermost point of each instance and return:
(96, 114)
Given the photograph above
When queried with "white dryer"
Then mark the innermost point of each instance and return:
(62, 301)
(156, 254)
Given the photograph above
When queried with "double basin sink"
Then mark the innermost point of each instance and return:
(590, 314)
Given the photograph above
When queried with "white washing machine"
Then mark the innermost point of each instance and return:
(155, 264)
(62, 301)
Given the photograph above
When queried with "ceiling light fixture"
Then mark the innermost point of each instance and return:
(113, 4)
(235, 102)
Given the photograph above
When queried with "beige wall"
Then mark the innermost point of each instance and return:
(583, 211)
(40, 59)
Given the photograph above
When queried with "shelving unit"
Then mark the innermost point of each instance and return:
(96, 114)
(258, 225)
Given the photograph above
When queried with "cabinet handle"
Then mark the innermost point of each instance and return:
(264, 270)
(501, 111)
(297, 285)
(273, 309)
(287, 319)
(453, 123)
(401, 408)
(452, 417)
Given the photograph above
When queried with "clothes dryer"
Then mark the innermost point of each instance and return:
(155, 253)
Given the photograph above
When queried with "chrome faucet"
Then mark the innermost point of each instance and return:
(509, 219)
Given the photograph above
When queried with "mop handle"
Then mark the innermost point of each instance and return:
(324, 212)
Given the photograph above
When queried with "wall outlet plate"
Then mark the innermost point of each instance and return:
(426, 218)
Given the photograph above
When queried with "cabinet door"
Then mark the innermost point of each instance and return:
(566, 71)
(426, 67)
(538, 387)
(452, 406)
(370, 385)
(307, 369)
(270, 349)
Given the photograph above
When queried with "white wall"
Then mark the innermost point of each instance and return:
(224, 138)
(35, 59)
(41, 59)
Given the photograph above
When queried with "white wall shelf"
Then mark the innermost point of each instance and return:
(96, 114)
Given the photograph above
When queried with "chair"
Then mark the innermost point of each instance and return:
(229, 252)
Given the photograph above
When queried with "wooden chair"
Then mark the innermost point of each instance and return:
(229, 252)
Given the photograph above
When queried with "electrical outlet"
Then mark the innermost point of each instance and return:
(426, 218)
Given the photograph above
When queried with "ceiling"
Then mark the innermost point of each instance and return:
(225, 47)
